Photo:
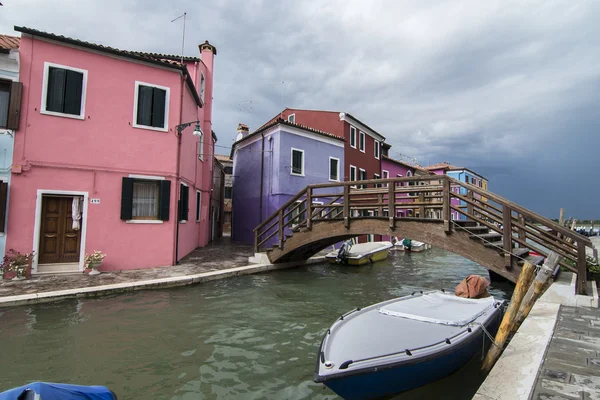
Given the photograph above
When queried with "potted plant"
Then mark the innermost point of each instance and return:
(94, 260)
(18, 264)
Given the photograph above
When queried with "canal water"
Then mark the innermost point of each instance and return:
(249, 337)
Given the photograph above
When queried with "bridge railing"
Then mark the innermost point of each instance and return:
(435, 198)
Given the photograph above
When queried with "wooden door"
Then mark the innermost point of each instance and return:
(59, 243)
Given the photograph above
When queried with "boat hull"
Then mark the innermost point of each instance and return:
(367, 259)
(388, 380)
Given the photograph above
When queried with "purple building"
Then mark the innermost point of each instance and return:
(273, 164)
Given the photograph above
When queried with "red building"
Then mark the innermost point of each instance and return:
(363, 146)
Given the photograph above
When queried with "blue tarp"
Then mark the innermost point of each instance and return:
(60, 391)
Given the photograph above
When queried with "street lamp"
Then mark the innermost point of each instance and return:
(197, 129)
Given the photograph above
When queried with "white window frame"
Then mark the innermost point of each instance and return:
(352, 167)
(376, 176)
(337, 173)
(386, 175)
(199, 206)
(291, 118)
(135, 106)
(352, 136)
(202, 86)
(292, 162)
(377, 149)
(360, 170)
(47, 66)
(201, 146)
(364, 141)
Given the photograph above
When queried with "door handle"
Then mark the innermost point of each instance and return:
(48, 235)
(70, 235)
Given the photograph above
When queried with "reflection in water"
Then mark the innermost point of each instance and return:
(250, 337)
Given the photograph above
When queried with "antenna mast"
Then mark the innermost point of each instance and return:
(183, 34)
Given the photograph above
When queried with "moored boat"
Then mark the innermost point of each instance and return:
(58, 391)
(360, 254)
(404, 343)
(410, 245)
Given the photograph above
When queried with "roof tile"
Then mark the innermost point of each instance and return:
(9, 42)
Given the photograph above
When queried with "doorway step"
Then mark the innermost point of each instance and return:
(58, 268)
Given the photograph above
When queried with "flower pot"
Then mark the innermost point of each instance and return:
(94, 271)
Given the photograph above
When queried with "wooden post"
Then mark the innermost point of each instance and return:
(536, 289)
(522, 233)
(581, 286)
(347, 206)
(421, 208)
(525, 278)
(561, 217)
(380, 208)
(470, 204)
(446, 205)
(309, 207)
(392, 205)
(281, 232)
(256, 241)
(507, 238)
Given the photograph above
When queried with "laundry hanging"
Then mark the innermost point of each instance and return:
(76, 213)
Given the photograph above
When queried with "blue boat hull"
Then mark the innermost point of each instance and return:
(388, 381)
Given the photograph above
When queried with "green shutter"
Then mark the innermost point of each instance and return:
(14, 107)
(56, 89)
(164, 200)
(159, 97)
(3, 197)
(186, 203)
(73, 92)
(127, 199)
(144, 111)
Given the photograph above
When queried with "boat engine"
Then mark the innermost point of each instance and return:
(344, 253)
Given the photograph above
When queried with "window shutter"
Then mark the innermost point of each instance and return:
(164, 200)
(184, 206)
(55, 90)
(73, 90)
(3, 195)
(144, 111)
(127, 199)
(14, 107)
(158, 107)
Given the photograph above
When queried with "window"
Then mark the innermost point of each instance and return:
(384, 151)
(292, 118)
(4, 103)
(386, 175)
(353, 173)
(298, 214)
(202, 86)
(227, 192)
(352, 137)
(361, 143)
(201, 146)
(184, 202)
(145, 199)
(362, 176)
(377, 144)
(297, 162)
(377, 176)
(334, 169)
(151, 106)
(228, 170)
(63, 91)
(198, 205)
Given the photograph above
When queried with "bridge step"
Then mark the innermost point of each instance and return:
(533, 260)
(520, 252)
(465, 223)
(477, 229)
(489, 237)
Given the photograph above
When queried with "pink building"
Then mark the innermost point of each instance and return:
(101, 161)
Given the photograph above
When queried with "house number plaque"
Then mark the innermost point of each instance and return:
(95, 201)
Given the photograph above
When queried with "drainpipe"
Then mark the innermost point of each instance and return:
(262, 165)
(177, 169)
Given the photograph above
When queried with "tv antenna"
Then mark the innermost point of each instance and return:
(183, 34)
(282, 106)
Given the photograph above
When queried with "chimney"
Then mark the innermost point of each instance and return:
(242, 130)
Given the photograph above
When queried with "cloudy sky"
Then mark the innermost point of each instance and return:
(508, 88)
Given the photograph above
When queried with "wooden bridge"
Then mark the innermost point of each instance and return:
(461, 218)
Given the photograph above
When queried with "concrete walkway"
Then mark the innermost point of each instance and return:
(220, 259)
(571, 367)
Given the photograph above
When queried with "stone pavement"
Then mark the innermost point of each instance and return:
(221, 254)
(571, 366)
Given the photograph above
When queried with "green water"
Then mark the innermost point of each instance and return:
(249, 337)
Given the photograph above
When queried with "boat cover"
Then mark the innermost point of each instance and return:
(439, 308)
(59, 391)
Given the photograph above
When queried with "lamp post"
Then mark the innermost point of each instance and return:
(197, 132)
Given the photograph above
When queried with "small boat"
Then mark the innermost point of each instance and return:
(360, 254)
(404, 343)
(58, 391)
(413, 246)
